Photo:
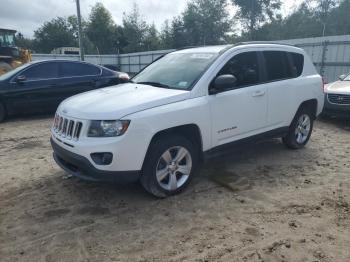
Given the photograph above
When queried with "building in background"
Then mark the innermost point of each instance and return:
(66, 51)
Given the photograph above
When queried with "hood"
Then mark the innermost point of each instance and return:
(115, 102)
(339, 87)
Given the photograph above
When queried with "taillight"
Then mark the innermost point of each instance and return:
(324, 82)
(124, 76)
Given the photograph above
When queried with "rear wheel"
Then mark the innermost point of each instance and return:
(169, 166)
(2, 112)
(300, 130)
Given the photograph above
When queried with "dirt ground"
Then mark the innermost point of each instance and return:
(267, 204)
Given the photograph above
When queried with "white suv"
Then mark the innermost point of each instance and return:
(186, 105)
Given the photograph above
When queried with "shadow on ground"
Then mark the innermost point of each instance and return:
(30, 117)
(341, 122)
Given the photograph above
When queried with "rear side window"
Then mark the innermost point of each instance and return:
(277, 65)
(77, 69)
(41, 71)
(297, 64)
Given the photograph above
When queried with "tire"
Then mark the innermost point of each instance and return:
(165, 173)
(2, 112)
(300, 130)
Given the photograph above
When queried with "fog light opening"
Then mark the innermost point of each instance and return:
(102, 159)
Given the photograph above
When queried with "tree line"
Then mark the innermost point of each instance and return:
(203, 22)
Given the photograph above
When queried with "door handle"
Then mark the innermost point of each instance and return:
(258, 93)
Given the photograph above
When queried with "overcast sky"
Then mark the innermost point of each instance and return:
(26, 16)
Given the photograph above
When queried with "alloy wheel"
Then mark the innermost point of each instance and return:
(174, 168)
(303, 128)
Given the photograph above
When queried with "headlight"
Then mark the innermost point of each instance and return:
(108, 128)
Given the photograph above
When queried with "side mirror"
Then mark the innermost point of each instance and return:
(21, 78)
(222, 83)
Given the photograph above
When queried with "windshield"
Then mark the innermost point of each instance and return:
(7, 39)
(12, 72)
(347, 78)
(176, 70)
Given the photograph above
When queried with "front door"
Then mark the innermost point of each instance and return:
(241, 111)
(34, 92)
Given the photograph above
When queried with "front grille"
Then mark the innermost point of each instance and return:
(67, 128)
(339, 99)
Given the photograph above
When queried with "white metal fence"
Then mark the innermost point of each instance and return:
(331, 56)
(131, 63)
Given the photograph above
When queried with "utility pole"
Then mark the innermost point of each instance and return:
(80, 33)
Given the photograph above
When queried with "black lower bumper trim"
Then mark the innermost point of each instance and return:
(335, 109)
(81, 167)
(336, 113)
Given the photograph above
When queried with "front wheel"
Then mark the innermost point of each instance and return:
(169, 166)
(300, 130)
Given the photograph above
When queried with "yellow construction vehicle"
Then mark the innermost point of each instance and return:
(11, 56)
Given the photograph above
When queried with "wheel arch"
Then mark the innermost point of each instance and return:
(190, 131)
(311, 105)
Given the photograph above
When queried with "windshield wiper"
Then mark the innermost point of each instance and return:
(156, 84)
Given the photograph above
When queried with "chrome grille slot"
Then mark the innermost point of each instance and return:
(339, 99)
(67, 128)
(70, 129)
(55, 124)
(60, 124)
(77, 130)
(64, 129)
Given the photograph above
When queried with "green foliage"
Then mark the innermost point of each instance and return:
(203, 22)
(206, 22)
(253, 13)
(308, 21)
(339, 22)
(56, 33)
(135, 31)
(179, 33)
(166, 37)
(24, 42)
(152, 40)
(101, 30)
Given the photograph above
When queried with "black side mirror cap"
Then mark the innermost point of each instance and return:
(222, 83)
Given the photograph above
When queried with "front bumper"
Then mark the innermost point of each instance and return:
(81, 167)
(335, 109)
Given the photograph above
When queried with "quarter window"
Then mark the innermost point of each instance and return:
(277, 65)
(297, 64)
(77, 69)
(41, 71)
(244, 67)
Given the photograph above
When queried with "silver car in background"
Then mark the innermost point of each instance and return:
(337, 99)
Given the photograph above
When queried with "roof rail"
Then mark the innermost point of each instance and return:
(261, 42)
(190, 47)
(187, 47)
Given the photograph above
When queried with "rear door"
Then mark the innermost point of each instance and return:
(34, 92)
(280, 79)
(76, 77)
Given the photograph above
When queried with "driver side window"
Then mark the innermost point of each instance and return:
(244, 67)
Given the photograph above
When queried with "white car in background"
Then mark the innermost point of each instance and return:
(337, 102)
(186, 105)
